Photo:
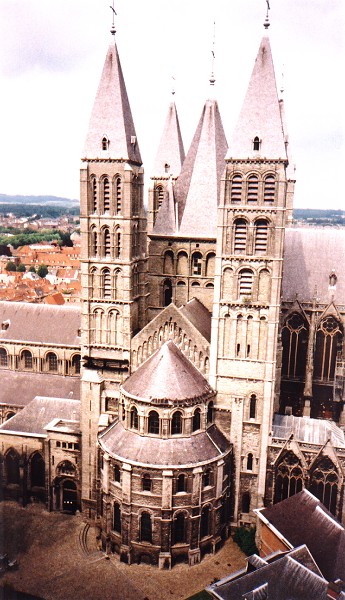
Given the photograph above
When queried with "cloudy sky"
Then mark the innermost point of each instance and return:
(52, 53)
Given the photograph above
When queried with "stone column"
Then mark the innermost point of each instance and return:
(309, 372)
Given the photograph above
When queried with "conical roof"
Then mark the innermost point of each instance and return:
(260, 115)
(111, 116)
(197, 188)
(166, 218)
(170, 150)
(168, 375)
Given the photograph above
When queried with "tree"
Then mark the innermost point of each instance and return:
(32, 269)
(42, 271)
(11, 266)
(21, 268)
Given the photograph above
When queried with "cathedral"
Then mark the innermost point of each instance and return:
(202, 375)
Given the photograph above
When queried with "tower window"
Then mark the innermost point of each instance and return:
(118, 194)
(250, 462)
(106, 283)
(117, 243)
(246, 282)
(240, 242)
(256, 143)
(252, 407)
(196, 263)
(261, 235)
(105, 143)
(94, 194)
(253, 189)
(106, 195)
(107, 243)
(236, 189)
(269, 188)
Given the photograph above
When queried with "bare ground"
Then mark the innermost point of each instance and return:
(54, 565)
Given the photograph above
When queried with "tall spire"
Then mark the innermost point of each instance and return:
(170, 154)
(197, 188)
(259, 130)
(111, 133)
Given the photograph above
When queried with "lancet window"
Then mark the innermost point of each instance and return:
(294, 339)
(289, 477)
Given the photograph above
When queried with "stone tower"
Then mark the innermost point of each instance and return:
(256, 201)
(113, 258)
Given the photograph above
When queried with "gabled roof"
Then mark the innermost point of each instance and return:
(260, 115)
(40, 323)
(35, 417)
(170, 150)
(18, 388)
(199, 315)
(302, 519)
(306, 272)
(198, 186)
(111, 116)
(167, 375)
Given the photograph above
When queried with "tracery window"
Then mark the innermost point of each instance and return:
(252, 189)
(328, 342)
(236, 189)
(294, 340)
(289, 477)
(324, 484)
(269, 188)
(240, 236)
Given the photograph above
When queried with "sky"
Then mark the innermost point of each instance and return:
(52, 54)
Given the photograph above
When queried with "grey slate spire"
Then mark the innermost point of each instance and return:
(111, 133)
(170, 154)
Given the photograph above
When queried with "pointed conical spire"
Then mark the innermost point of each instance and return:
(197, 188)
(111, 131)
(170, 154)
(260, 116)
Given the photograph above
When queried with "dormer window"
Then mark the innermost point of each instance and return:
(105, 143)
(332, 279)
(256, 144)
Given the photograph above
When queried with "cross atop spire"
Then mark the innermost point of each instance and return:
(113, 30)
(267, 21)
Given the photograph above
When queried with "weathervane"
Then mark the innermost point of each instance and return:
(113, 30)
(267, 22)
(212, 78)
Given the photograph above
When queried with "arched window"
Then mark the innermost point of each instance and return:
(196, 419)
(246, 502)
(289, 477)
(176, 423)
(118, 191)
(181, 483)
(117, 242)
(94, 194)
(153, 422)
(245, 282)
(37, 470)
(179, 529)
(252, 407)
(136, 243)
(104, 143)
(93, 241)
(118, 284)
(256, 143)
(227, 284)
(106, 195)
(205, 522)
(240, 236)
(106, 283)
(295, 341)
(210, 412)
(207, 478)
(159, 196)
(196, 263)
(167, 292)
(3, 357)
(76, 364)
(12, 467)
(324, 483)
(236, 189)
(106, 242)
(52, 362)
(249, 461)
(328, 342)
(26, 357)
(252, 189)
(210, 264)
(146, 483)
(117, 474)
(261, 236)
(269, 188)
(134, 418)
(145, 527)
(117, 518)
(168, 263)
(182, 264)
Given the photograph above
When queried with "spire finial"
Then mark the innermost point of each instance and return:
(173, 85)
(267, 21)
(212, 78)
(113, 30)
